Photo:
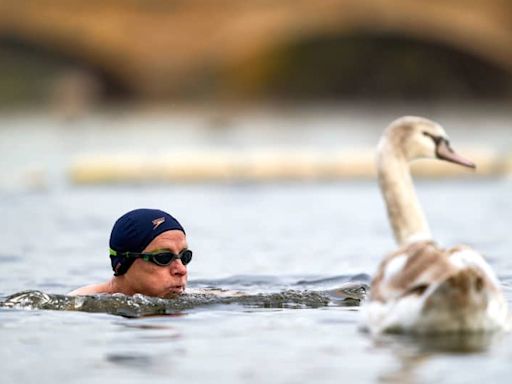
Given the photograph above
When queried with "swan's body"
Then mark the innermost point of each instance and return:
(422, 288)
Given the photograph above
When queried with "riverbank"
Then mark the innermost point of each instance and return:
(228, 143)
(265, 165)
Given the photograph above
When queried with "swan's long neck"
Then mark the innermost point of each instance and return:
(404, 209)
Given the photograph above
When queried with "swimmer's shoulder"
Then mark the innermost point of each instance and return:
(92, 289)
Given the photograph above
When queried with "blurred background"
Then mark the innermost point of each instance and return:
(108, 81)
(114, 51)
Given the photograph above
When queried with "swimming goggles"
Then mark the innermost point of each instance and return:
(159, 258)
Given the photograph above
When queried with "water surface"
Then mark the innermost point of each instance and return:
(262, 240)
(257, 239)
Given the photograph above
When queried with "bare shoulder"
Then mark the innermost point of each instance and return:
(93, 289)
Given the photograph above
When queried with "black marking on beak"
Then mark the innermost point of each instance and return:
(445, 152)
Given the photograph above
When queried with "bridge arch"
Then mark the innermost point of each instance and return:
(166, 49)
(32, 71)
(371, 66)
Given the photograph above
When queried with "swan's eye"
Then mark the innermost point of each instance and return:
(435, 139)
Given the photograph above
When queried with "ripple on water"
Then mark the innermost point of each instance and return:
(140, 305)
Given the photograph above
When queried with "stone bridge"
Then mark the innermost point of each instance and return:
(158, 47)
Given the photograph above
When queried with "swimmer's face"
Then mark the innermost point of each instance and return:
(160, 281)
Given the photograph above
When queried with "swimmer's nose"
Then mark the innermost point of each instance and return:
(177, 268)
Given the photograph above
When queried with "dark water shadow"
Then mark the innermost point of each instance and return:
(130, 361)
(9, 258)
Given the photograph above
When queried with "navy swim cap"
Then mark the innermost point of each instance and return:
(133, 231)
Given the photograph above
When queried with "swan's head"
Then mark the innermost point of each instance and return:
(417, 137)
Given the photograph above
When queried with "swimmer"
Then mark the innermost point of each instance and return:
(149, 255)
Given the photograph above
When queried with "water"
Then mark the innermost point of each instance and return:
(257, 239)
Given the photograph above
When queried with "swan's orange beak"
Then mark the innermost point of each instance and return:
(445, 152)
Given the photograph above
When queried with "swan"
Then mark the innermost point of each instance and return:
(423, 288)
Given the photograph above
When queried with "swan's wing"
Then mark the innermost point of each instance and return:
(423, 288)
(410, 271)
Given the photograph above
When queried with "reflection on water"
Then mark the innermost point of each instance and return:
(414, 353)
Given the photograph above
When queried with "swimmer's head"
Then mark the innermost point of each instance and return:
(133, 232)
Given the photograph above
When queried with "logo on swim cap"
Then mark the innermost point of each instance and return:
(157, 222)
